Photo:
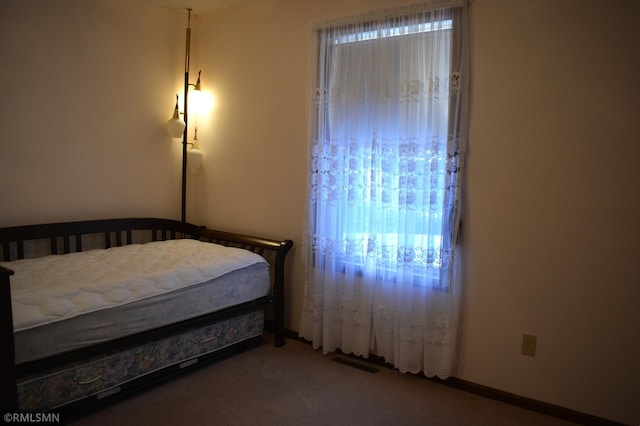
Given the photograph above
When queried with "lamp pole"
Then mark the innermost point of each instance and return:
(186, 127)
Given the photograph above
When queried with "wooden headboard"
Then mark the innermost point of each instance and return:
(70, 237)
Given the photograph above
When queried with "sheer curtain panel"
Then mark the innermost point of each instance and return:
(387, 142)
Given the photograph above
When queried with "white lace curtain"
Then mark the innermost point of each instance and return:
(386, 147)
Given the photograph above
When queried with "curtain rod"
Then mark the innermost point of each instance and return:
(388, 13)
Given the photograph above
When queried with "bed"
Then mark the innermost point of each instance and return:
(92, 311)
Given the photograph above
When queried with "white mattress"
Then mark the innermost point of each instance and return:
(65, 302)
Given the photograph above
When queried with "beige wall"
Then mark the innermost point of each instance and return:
(554, 199)
(551, 229)
(552, 232)
(86, 90)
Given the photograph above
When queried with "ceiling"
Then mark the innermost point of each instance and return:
(198, 7)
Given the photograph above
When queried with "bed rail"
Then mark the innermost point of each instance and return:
(8, 395)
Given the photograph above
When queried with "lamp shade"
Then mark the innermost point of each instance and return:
(175, 125)
(194, 160)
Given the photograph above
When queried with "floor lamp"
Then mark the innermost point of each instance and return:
(179, 128)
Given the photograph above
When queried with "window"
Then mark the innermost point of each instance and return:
(379, 149)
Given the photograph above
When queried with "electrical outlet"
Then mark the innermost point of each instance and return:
(529, 345)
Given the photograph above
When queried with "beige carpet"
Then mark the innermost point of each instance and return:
(296, 385)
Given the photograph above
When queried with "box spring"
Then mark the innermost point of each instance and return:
(106, 375)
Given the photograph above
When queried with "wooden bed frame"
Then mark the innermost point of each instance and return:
(62, 238)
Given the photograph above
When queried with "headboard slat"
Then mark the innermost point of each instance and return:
(55, 238)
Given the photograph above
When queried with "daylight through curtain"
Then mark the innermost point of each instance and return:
(385, 176)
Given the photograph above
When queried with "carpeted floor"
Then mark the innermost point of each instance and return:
(296, 385)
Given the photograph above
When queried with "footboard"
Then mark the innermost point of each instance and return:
(61, 238)
(261, 246)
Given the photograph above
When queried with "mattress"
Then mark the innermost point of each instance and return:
(75, 300)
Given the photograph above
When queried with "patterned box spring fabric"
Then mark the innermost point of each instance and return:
(101, 376)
